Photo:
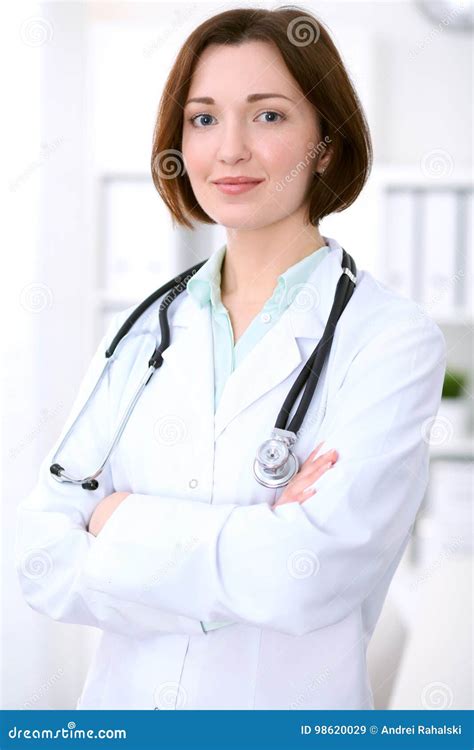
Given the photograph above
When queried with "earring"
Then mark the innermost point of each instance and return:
(318, 174)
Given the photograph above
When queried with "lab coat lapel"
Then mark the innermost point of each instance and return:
(282, 349)
(275, 357)
(190, 356)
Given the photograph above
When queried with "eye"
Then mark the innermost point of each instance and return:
(196, 117)
(193, 120)
(272, 112)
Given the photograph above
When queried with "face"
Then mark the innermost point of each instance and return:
(275, 139)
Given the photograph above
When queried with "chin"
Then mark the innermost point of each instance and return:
(234, 223)
(241, 217)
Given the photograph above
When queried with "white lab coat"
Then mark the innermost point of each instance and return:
(302, 584)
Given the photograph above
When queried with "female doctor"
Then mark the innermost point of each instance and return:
(212, 590)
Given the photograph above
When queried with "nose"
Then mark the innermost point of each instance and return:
(233, 142)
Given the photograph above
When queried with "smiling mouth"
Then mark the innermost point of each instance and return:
(237, 182)
(236, 188)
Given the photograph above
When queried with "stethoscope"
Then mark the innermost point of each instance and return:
(275, 463)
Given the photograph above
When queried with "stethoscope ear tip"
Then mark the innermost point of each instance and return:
(56, 470)
(92, 484)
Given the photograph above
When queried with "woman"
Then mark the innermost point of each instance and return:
(211, 590)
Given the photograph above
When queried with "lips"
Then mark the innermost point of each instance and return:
(237, 181)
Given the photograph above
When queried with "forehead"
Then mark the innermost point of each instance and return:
(234, 71)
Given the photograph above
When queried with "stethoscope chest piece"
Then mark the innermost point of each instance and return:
(276, 464)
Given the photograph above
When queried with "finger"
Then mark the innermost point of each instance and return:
(313, 458)
(313, 454)
(300, 497)
(307, 493)
(315, 466)
(302, 481)
(320, 467)
(297, 497)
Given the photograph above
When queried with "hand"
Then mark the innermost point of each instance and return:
(104, 510)
(299, 489)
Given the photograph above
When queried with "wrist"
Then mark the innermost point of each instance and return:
(104, 510)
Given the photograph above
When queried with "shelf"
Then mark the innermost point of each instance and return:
(461, 448)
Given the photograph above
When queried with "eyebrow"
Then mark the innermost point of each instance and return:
(250, 98)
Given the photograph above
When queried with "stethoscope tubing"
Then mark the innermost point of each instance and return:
(311, 371)
(90, 482)
(307, 378)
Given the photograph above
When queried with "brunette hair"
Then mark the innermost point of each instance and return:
(314, 62)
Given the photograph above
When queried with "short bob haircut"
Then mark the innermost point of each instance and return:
(314, 62)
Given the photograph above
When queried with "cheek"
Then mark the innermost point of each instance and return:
(195, 165)
(284, 156)
(196, 155)
(271, 151)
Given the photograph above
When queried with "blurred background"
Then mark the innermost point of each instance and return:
(86, 235)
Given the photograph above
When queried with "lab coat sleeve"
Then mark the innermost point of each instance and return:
(52, 541)
(297, 567)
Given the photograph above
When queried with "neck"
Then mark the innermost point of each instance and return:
(255, 258)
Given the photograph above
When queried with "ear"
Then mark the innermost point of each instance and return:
(323, 158)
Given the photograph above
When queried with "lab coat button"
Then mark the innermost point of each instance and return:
(193, 483)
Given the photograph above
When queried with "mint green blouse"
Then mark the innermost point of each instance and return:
(205, 288)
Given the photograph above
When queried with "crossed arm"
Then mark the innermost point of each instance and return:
(242, 565)
(297, 491)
